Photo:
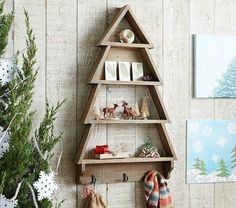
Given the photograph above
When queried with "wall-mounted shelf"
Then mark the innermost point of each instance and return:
(111, 170)
(130, 121)
(109, 53)
(144, 83)
(126, 45)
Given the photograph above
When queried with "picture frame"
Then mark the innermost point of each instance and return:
(111, 70)
(124, 71)
(214, 66)
(211, 151)
(137, 71)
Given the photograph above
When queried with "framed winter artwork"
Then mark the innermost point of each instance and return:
(137, 71)
(211, 151)
(110, 70)
(214, 66)
(124, 71)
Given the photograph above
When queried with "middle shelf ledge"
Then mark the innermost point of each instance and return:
(124, 121)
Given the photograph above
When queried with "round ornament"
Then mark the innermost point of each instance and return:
(126, 36)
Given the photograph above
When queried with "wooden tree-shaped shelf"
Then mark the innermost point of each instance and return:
(111, 170)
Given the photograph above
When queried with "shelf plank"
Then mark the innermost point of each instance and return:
(123, 121)
(126, 45)
(127, 160)
(113, 172)
(108, 82)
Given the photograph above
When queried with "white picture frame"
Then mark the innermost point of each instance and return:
(214, 66)
(111, 70)
(137, 71)
(124, 71)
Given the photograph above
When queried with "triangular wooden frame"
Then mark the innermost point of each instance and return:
(110, 169)
(165, 140)
(98, 67)
(127, 13)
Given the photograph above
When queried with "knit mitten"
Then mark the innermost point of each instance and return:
(165, 196)
(151, 189)
(148, 183)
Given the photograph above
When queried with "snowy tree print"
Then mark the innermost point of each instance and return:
(234, 156)
(224, 172)
(200, 165)
(227, 84)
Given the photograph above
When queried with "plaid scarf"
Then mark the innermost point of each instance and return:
(157, 193)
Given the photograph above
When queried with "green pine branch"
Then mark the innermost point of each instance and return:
(23, 161)
(5, 26)
(14, 166)
(46, 141)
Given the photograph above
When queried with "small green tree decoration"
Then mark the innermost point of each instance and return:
(234, 156)
(227, 85)
(5, 26)
(200, 165)
(224, 172)
(26, 156)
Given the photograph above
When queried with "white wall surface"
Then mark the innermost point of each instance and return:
(67, 31)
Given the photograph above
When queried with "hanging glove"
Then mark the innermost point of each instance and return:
(95, 201)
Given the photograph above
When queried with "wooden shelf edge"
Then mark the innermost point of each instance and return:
(107, 82)
(113, 173)
(123, 121)
(126, 45)
(127, 160)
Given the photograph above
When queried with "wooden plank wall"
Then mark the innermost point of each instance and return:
(67, 32)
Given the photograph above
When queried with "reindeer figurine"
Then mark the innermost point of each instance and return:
(111, 111)
(128, 112)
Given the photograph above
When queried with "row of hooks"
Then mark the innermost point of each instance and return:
(94, 179)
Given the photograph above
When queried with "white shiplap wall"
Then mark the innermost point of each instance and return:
(67, 31)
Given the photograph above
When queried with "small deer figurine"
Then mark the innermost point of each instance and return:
(111, 111)
(128, 112)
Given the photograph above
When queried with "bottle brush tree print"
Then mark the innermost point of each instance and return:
(224, 172)
(200, 165)
(227, 84)
(233, 157)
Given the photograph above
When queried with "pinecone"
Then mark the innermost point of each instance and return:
(149, 152)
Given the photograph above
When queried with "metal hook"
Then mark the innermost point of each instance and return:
(125, 177)
(93, 179)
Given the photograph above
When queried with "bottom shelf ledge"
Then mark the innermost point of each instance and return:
(113, 172)
(126, 160)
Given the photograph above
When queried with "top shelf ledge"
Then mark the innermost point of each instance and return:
(126, 45)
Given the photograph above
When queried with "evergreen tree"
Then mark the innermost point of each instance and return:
(197, 163)
(224, 172)
(203, 168)
(23, 161)
(5, 25)
(200, 165)
(234, 156)
(227, 85)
